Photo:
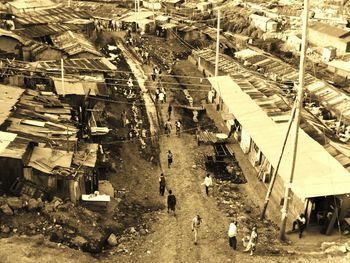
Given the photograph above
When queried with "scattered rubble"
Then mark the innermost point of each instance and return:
(6, 209)
(112, 240)
(335, 248)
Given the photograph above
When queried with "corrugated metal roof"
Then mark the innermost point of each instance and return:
(86, 155)
(54, 15)
(342, 34)
(79, 65)
(46, 30)
(16, 149)
(8, 98)
(71, 87)
(74, 43)
(45, 159)
(325, 93)
(5, 139)
(27, 4)
(7, 33)
(317, 173)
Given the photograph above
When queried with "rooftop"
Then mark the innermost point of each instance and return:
(99, 64)
(46, 159)
(46, 30)
(317, 173)
(52, 15)
(27, 4)
(43, 118)
(9, 96)
(341, 33)
(74, 43)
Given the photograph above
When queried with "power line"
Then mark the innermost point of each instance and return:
(125, 85)
(157, 136)
(81, 68)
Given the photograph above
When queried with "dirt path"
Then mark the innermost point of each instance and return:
(172, 240)
(141, 77)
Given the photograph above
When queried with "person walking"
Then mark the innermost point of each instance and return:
(196, 222)
(252, 241)
(170, 109)
(161, 184)
(170, 158)
(207, 183)
(178, 127)
(171, 202)
(167, 127)
(301, 223)
(161, 97)
(232, 235)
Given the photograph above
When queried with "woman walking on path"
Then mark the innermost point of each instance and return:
(252, 241)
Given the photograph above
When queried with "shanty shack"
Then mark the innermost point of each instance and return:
(75, 45)
(67, 174)
(321, 180)
(10, 44)
(14, 153)
(22, 6)
(59, 15)
(51, 168)
(188, 33)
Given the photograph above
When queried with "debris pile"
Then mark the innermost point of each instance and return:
(335, 248)
(230, 199)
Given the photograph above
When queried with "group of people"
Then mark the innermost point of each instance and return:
(249, 242)
(156, 73)
(109, 25)
(168, 127)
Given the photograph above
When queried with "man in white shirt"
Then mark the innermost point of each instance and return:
(196, 222)
(232, 235)
(207, 182)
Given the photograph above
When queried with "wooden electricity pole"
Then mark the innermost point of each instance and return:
(298, 107)
(217, 46)
(275, 172)
(62, 78)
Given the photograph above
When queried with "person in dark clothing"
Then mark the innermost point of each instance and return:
(170, 158)
(161, 184)
(301, 223)
(171, 201)
(170, 109)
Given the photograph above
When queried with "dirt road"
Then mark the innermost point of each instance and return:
(172, 240)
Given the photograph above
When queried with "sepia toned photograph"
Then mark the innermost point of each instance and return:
(174, 131)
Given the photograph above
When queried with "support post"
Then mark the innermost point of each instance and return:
(298, 107)
(275, 172)
(217, 46)
(62, 78)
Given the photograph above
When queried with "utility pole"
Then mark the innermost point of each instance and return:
(154, 18)
(275, 172)
(217, 45)
(62, 78)
(298, 107)
(136, 6)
